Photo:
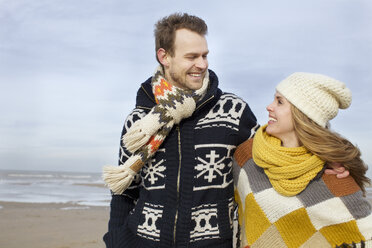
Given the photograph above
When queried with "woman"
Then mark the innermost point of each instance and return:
(284, 198)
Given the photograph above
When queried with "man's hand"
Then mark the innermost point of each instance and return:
(337, 169)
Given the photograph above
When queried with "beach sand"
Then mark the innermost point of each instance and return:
(36, 225)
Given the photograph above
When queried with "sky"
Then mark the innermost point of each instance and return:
(70, 70)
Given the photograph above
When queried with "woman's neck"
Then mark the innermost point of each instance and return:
(290, 141)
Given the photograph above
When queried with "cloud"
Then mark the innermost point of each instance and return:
(69, 71)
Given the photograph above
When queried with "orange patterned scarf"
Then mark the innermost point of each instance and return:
(146, 135)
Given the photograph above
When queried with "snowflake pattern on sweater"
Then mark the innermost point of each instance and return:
(183, 197)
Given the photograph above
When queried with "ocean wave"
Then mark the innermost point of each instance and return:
(54, 187)
(77, 177)
(32, 175)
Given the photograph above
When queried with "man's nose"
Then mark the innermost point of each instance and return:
(201, 63)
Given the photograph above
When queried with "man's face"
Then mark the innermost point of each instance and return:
(187, 68)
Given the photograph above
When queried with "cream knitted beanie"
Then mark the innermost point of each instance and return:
(318, 96)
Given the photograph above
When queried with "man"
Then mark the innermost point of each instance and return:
(183, 196)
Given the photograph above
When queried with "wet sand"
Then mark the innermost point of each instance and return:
(52, 225)
(35, 225)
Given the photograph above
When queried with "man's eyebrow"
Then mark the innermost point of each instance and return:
(194, 53)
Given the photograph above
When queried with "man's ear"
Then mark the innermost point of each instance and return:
(163, 57)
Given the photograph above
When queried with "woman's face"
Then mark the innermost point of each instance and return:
(280, 124)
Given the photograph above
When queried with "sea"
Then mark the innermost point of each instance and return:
(80, 188)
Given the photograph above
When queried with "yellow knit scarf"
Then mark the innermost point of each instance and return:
(289, 169)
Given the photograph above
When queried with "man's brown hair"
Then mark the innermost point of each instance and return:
(165, 30)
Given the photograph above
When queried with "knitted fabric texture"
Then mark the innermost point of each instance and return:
(173, 105)
(145, 137)
(330, 212)
(290, 169)
(318, 96)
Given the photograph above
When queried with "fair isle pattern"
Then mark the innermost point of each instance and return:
(226, 112)
(153, 172)
(314, 218)
(173, 104)
(134, 116)
(231, 212)
(124, 154)
(206, 224)
(145, 136)
(148, 228)
(190, 202)
(213, 166)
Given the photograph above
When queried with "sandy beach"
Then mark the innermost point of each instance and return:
(52, 225)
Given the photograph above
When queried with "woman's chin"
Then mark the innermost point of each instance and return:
(269, 130)
(271, 133)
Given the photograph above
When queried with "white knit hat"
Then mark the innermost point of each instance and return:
(317, 96)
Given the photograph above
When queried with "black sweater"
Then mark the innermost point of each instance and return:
(184, 196)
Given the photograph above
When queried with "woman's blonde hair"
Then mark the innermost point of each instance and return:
(329, 146)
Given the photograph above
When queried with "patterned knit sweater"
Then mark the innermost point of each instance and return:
(330, 212)
(184, 196)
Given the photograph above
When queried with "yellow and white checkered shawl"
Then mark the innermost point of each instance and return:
(330, 212)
